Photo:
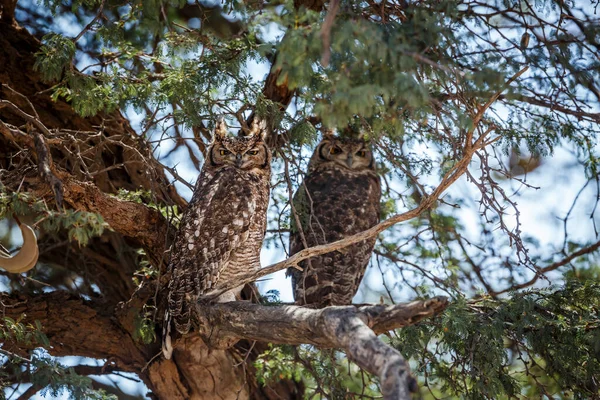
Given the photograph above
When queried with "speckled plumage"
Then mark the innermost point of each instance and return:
(222, 229)
(339, 197)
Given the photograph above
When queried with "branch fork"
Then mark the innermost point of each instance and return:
(353, 329)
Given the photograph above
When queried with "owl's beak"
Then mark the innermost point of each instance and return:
(349, 160)
(238, 160)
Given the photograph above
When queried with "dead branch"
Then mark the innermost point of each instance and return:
(353, 329)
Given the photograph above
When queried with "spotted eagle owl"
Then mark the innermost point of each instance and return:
(339, 197)
(222, 230)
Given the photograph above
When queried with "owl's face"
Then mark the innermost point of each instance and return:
(351, 154)
(245, 153)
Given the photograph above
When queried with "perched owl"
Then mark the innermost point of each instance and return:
(339, 197)
(222, 230)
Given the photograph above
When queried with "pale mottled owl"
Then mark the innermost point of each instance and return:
(222, 230)
(339, 197)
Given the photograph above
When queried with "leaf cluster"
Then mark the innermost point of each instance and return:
(541, 341)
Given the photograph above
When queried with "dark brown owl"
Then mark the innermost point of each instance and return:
(222, 230)
(339, 197)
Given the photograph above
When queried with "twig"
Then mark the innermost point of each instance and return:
(45, 164)
(551, 267)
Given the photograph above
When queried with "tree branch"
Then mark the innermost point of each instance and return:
(540, 271)
(44, 159)
(66, 321)
(353, 329)
(136, 221)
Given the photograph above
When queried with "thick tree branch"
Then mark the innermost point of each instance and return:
(290, 324)
(353, 329)
(66, 321)
(145, 225)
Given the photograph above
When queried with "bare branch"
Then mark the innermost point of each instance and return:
(353, 329)
(45, 165)
(540, 271)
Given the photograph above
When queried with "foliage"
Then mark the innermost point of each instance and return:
(543, 340)
(145, 330)
(55, 379)
(145, 197)
(326, 373)
(80, 226)
(11, 330)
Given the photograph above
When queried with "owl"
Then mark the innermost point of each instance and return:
(339, 197)
(222, 230)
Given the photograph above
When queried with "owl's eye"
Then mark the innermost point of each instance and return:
(253, 152)
(361, 153)
(335, 150)
(224, 152)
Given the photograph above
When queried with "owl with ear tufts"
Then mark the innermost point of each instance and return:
(223, 227)
(339, 197)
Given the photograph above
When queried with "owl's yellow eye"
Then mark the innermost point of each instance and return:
(224, 152)
(361, 153)
(253, 152)
(335, 150)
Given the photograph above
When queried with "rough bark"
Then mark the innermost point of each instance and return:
(351, 328)
(67, 321)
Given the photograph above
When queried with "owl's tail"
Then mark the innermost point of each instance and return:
(177, 319)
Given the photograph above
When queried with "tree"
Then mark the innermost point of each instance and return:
(465, 103)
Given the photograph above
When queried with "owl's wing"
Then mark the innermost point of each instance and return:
(215, 224)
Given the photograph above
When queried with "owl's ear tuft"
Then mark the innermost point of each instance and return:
(329, 134)
(259, 128)
(220, 130)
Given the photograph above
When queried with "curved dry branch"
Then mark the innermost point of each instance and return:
(353, 329)
(27, 256)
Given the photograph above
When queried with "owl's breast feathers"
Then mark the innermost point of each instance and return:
(223, 216)
(338, 204)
